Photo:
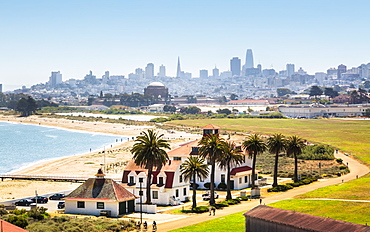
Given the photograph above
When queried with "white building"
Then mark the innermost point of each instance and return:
(317, 110)
(167, 188)
(99, 195)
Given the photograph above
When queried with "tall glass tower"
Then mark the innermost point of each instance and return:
(249, 59)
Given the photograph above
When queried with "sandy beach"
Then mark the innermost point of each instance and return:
(115, 157)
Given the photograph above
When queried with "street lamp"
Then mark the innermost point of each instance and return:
(141, 201)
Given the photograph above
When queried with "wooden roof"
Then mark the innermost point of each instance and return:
(303, 221)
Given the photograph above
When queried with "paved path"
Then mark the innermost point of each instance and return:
(357, 170)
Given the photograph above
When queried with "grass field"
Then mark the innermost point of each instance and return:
(356, 212)
(233, 222)
(352, 136)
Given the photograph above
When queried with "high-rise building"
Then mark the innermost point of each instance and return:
(203, 73)
(55, 79)
(235, 66)
(249, 59)
(216, 72)
(105, 77)
(149, 70)
(341, 69)
(290, 69)
(178, 73)
(90, 78)
(1, 88)
(162, 71)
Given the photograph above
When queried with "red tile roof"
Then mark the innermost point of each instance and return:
(184, 150)
(234, 171)
(211, 126)
(8, 227)
(303, 221)
(102, 190)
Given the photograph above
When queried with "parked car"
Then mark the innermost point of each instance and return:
(40, 199)
(23, 202)
(61, 205)
(207, 196)
(57, 196)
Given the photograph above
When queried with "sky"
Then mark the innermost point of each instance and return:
(76, 36)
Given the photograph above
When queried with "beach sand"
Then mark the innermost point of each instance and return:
(87, 165)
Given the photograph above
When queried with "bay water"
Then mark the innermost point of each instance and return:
(23, 145)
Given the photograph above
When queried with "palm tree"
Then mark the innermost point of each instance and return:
(254, 145)
(211, 148)
(191, 169)
(231, 156)
(149, 152)
(294, 147)
(276, 144)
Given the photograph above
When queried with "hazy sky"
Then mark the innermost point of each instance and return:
(75, 36)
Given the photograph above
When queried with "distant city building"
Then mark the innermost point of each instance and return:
(301, 71)
(90, 78)
(1, 88)
(332, 72)
(290, 69)
(269, 72)
(186, 75)
(249, 59)
(178, 73)
(203, 73)
(364, 70)
(105, 77)
(235, 66)
(226, 74)
(320, 77)
(216, 72)
(341, 69)
(149, 70)
(162, 71)
(55, 79)
(157, 90)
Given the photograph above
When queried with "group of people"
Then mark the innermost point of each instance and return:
(145, 225)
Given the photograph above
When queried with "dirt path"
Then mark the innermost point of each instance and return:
(357, 170)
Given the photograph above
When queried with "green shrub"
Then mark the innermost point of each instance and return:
(17, 220)
(200, 209)
(317, 152)
(3, 212)
(237, 200)
(208, 185)
(280, 188)
(222, 186)
(342, 167)
(18, 211)
(243, 198)
(339, 160)
(232, 202)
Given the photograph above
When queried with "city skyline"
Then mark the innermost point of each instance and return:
(75, 37)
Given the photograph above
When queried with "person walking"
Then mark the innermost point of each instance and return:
(154, 225)
(260, 201)
(210, 210)
(214, 211)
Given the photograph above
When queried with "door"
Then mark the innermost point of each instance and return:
(131, 206)
(232, 184)
(122, 208)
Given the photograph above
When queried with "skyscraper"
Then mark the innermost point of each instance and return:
(216, 72)
(341, 69)
(235, 66)
(162, 71)
(249, 59)
(290, 69)
(203, 73)
(1, 88)
(178, 73)
(149, 70)
(55, 79)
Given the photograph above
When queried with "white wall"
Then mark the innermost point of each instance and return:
(90, 207)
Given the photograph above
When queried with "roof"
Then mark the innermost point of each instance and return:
(238, 170)
(8, 227)
(184, 150)
(303, 221)
(101, 189)
(156, 84)
(211, 126)
(247, 101)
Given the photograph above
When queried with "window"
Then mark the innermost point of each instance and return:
(160, 180)
(177, 193)
(177, 158)
(141, 179)
(100, 205)
(240, 180)
(184, 191)
(246, 179)
(180, 178)
(132, 180)
(80, 204)
(194, 149)
(155, 194)
(223, 178)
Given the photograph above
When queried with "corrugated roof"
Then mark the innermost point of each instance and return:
(301, 220)
(101, 189)
(8, 227)
(211, 126)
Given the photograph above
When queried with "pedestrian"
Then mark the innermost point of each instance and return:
(154, 225)
(260, 201)
(210, 210)
(145, 225)
(214, 211)
(356, 176)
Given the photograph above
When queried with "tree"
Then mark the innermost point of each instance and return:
(191, 169)
(26, 107)
(231, 157)
(315, 91)
(169, 108)
(224, 111)
(283, 91)
(330, 92)
(254, 145)
(358, 96)
(367, 113)
(276, 144)
(294, 146)
(367, 84)
(211, 149)
(233, 96)
(148, 151)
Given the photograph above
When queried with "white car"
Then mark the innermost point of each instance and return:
(207, 196)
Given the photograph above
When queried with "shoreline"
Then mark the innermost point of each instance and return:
(85, 164)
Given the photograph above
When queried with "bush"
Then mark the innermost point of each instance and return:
(208, 185)
(17, 220)
(339, 160)
(3, 212)
(280, 188)
(222, 186)
(232, 202)
(243, 198)
(317, 152)
(18, 211)
(342, 167)
(222, 204)
(196, 186)
(200, 209)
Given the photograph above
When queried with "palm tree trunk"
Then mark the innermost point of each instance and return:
(228, 196)
(253, 169)
(276, 170)
(148, 182)
(194, 192)
(295, 168)
(212, 187)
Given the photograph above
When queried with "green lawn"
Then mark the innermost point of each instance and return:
(351, 136)
(355, 212)
(233, 222)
